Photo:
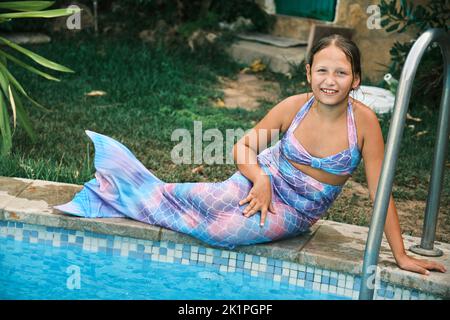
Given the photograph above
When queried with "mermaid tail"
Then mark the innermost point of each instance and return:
(209, 211)
(119, 178)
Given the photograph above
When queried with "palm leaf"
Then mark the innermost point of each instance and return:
(27, 66)
(40, 14)
(22, 116)
(5, 129)
(18, 86)
(13, 106)
(26, 5)
(37, 58)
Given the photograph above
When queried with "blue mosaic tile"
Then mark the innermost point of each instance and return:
(202, 250)
(34, 234)
(301, 275)
(325, 280)
(148, 256)
(131, 254)
(240, 256)
(308, 284)
(389, 294)
(270, 268)
(333, 281)
(255, 259)
(278, 263)
(19, 225)
(140, 248)
(163, 251)
(239, 263)
(356, 285)
(186, 254)
(309, 276)
(278, 270)
(79, 240)
(64, 238)
(139, 255)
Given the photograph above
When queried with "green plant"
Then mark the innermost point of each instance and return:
(10, 89)
(403, 15)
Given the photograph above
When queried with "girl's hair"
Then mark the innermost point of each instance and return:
(346, 45)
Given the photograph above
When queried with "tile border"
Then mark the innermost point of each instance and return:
(276, 270)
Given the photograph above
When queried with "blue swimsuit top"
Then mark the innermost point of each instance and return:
(342, 163)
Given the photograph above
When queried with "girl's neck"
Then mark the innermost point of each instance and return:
(330, 112)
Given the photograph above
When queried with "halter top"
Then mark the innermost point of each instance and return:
(342, 163)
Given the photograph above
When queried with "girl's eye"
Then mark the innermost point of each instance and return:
(321, 70)
(341, 73)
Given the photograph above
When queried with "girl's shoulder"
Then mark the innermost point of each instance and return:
(365, 117)
(291, 106)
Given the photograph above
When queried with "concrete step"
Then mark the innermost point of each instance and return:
(276, 58)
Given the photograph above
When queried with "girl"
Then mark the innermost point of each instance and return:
(325, 135)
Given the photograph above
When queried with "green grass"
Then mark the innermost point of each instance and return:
(151, 91)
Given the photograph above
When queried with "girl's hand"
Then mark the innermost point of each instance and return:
(419, 266)
(260, 198)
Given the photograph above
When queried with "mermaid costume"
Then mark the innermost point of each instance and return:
(210, 211)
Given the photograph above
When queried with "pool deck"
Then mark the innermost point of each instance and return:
(329, 245)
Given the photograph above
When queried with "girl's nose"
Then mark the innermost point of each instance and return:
(329, 81)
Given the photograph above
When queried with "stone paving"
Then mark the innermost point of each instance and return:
(329, 245)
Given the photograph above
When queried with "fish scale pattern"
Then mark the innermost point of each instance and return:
(209, 211)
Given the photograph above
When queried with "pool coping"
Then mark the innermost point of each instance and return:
(329, 245)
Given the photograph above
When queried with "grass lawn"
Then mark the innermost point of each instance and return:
(151, 91)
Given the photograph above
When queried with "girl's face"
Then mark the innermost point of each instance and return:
(331, 76)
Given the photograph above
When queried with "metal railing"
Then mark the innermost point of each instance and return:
(369, 271)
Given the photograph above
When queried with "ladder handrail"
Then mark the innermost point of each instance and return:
(381, 203)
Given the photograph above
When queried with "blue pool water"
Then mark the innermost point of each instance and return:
(40, 271)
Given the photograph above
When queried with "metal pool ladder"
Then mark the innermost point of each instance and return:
(369, 271)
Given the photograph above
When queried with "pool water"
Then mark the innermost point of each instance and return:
(41, 271)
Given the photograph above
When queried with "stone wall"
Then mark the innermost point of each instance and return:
(373, 43)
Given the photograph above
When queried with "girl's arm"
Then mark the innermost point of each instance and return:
(373, 154)
(245, 153)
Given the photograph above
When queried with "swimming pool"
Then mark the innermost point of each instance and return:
(39, 262)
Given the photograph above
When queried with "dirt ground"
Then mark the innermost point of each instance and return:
(353, 205)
